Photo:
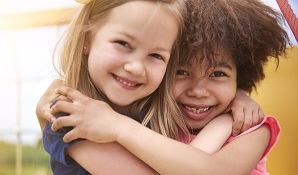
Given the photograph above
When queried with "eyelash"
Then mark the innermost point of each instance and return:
(123, 43)
(182, 72)
(214, 74)
(218, 72)
(157, 56)
(127, 45)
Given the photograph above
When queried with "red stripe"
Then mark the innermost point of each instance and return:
(289, 15)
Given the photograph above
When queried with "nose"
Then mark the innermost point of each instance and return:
(135, 66)
(198, 90)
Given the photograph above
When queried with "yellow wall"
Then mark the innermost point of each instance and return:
(278, 96)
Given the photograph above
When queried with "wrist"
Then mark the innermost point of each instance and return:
(127, 128)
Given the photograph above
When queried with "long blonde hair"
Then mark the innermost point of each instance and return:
(73, 68)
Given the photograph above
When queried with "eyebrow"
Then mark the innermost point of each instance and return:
(127, 35)
(162, 49)
(224, 64)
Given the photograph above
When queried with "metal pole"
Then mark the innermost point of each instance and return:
(18, 111)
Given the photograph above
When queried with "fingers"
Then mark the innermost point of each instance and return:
(48, 115)
(246, 118)
(70, 136)
(255, 118)
(261, 115)
(62, 107)
(239, 118)
(63, 122)
(63, 98)
(43, 106)
(68, 92)
(50, 96)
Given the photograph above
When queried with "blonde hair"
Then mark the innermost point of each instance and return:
(73, 68)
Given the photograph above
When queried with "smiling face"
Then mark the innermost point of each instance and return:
(203, 95)
(129, 53)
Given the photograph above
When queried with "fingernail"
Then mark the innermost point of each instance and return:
(53, 119)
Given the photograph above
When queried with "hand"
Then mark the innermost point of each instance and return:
(246, 112)
(43, 106)
(91, 119)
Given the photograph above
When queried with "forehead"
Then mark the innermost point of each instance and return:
(143, 19)
(211, 60)
(141, 13)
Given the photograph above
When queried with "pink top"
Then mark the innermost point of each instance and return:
(275, 132)
(274, 126)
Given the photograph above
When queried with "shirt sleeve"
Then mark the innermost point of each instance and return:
(54, 145)
(274, 130)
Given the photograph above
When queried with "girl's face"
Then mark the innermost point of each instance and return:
(202, 95)
(129, 53)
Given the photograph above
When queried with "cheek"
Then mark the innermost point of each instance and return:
(178, 89)
(155, 73)
(106, 60)
(227, 95)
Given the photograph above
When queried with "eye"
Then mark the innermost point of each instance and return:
(122, 43)
(157, 56)
(218, 74)
(182, 72)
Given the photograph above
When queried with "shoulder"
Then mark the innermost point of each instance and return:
(265, 134)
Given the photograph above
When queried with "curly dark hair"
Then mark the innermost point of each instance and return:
(250, 31)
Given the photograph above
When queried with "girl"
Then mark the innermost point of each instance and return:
(230, 40)
(118, 51)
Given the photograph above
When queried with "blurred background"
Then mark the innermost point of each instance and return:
(29, 31)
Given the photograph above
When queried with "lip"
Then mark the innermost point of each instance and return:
(196, 116)
(126, 83)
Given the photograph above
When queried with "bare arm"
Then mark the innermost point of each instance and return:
(103, 159)
(238, 157)
(213, 136)
(108, 159)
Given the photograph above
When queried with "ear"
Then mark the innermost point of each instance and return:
(86, 48)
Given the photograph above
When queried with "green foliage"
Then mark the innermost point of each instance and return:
(35, 161)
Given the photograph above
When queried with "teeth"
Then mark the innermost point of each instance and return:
(126, 83)
(197, 110)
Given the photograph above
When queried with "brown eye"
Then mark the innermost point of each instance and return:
(182, 72)
(218, 74)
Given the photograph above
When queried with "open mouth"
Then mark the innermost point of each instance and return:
(126, 82)
(196, 110)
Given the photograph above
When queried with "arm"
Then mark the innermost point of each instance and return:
(43, 106)
(245, 111)
(213, 136)
(108, 158)
(238, 157)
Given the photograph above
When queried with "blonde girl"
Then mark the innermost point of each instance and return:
(118, 51)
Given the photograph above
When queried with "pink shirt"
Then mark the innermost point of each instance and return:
(275, 132)
(274, 126)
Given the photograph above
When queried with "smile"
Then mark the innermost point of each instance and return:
(130, 84)
(196, 110)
